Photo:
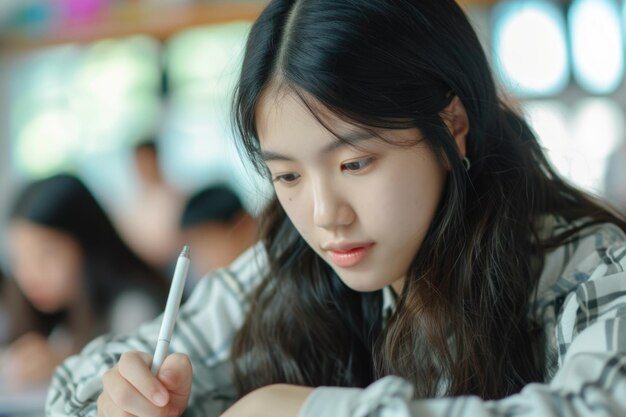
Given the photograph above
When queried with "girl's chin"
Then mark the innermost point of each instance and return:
(361, 283)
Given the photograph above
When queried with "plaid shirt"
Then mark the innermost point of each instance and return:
(581, 302)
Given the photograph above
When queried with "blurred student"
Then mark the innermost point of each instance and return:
(77, 277)
(32, 343)
(217, 228)
(4, 316)
(149, 224)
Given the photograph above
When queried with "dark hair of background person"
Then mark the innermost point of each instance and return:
(462, 318)
(148, 143)
(218, 203)
(63, 203)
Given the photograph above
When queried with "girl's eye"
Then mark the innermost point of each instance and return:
(354, 166)
(286, 178)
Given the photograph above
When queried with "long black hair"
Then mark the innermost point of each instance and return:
(461, 325)
(63, 203)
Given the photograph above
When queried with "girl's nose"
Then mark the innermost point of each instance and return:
(330, 210)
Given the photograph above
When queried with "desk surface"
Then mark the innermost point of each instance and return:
(24, 403)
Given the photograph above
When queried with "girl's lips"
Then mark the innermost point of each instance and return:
(351, 257)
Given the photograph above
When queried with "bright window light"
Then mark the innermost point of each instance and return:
(47, 143)
(579, 139)
(203, 66)
(205, 61)
(596, 128)
(597, 48)
(548, 118)
(73, 101)
(529, 45)
(116, 91)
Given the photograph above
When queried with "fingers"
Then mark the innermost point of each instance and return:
(135, 368)
(107, 408)
(129, 389)
(176, 375)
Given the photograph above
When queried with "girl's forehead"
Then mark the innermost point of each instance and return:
(286, 117)
(275, 103)
(284, 111)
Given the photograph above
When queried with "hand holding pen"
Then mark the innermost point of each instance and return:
(142, 386)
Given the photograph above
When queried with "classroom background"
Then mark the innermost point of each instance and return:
(83, 83)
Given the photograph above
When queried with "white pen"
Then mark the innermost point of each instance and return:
(171, 310)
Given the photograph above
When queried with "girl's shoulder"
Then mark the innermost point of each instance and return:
(240, 278)
(251, 264)
(573, 262)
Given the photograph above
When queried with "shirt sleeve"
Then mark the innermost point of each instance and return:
(205, 328)
(590, 381)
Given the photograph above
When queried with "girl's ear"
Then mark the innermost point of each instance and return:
(455, 118)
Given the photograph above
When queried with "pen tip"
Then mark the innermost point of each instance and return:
(185, 252)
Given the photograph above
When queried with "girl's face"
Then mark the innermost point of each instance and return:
(46, 264)
(365, 211)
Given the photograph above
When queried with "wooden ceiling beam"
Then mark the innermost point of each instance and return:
(123, 21)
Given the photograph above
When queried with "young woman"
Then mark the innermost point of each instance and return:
(74, 278)
(420, 256)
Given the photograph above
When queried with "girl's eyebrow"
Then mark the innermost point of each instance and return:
(347, 140)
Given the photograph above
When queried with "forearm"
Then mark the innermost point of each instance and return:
(280, 400)
(597, 387)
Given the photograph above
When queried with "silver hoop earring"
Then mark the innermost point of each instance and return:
(466, 163)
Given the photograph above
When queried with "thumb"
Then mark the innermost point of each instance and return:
(176, 374)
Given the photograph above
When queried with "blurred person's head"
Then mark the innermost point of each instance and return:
(47, 264)
(217, 227)
(63, 248)
(4, 318)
